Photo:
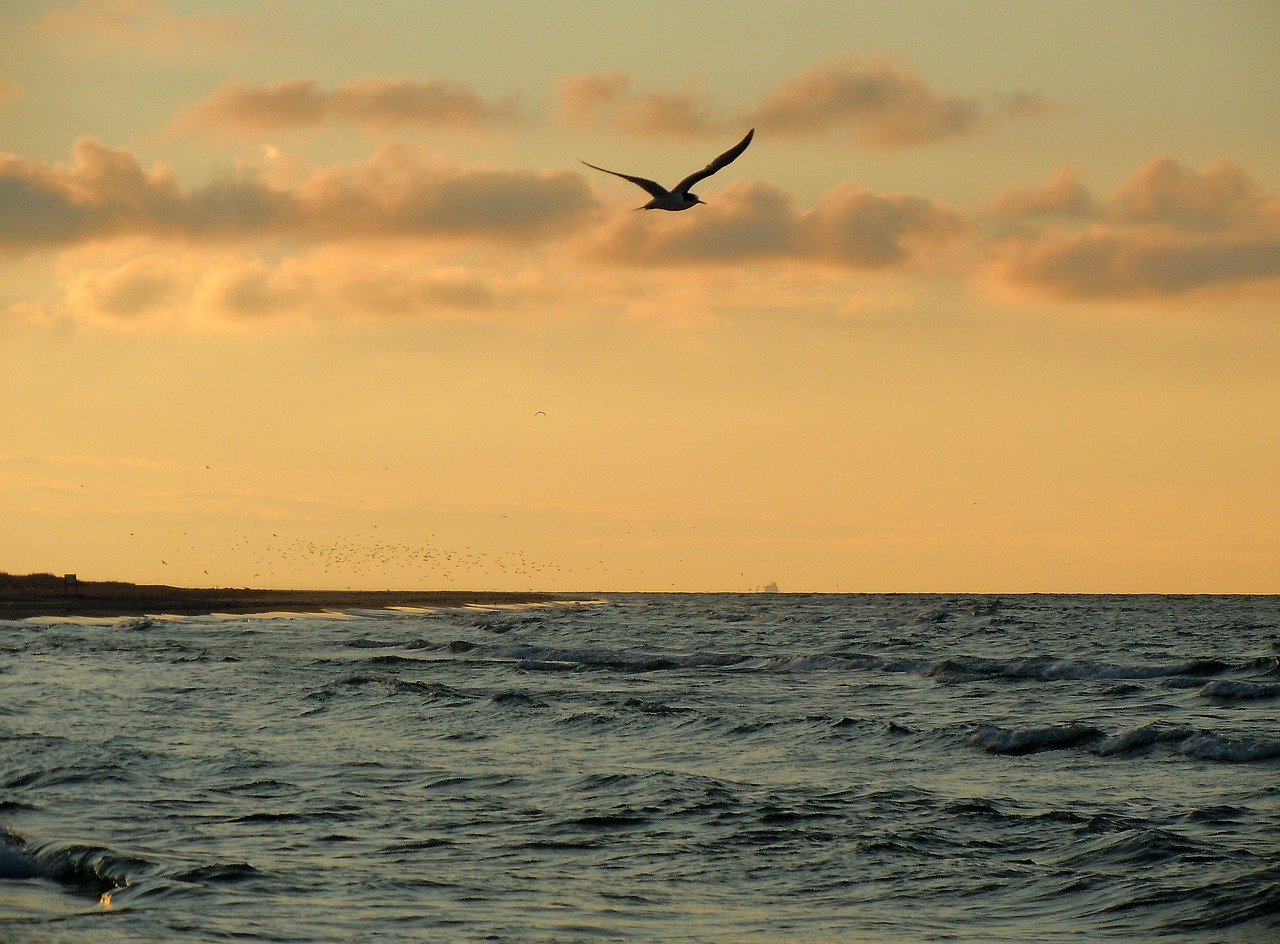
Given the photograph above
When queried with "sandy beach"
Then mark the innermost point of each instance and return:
(34, 595)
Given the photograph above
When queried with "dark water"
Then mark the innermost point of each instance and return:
(653, 768)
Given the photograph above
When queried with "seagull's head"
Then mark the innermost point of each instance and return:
(692, 198)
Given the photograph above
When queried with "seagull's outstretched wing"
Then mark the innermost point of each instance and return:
(724, 160)
(655, 189)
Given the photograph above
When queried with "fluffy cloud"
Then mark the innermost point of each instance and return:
(400, 191)
(1106, 265)
(849, 227)
(1222, 197)
(194, 287)
(883, 105)
(1166, 231)
(138, 288)
(1063, 195)
(147, 26)
(101, 190)
(377, 102)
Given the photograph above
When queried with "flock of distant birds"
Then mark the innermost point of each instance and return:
(361, 560)
(368, 562)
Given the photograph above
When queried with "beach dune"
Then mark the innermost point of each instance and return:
(31, 595)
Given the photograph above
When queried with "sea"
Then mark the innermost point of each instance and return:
(670, 768)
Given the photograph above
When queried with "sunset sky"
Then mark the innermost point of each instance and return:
(319, 295)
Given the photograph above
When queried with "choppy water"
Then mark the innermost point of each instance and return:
(653, 768)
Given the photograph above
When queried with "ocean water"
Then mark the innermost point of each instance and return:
(672, 768)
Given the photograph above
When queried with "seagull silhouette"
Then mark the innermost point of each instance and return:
(679, 197)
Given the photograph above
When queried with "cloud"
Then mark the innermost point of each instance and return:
(1223, 197)
(606, 97)
(169, 287)
(400, 191)
(8, 90)
(848, 227)
(1106, 265)
(882, 104)
(1063, 195)
(149, 27)
(1168, 231)
(378, 102)
(855, 227)
(139, 288)
(99, 191)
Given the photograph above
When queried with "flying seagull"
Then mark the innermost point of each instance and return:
(679, 197)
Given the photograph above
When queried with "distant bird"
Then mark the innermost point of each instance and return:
(679, 197)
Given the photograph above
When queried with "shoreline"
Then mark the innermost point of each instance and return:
(26, 598)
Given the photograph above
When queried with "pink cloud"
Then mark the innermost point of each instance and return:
(99, 192)
(138, 288)
(882, 104)
(1165, 192)
(1062, 195)
(400, 191)
(606, 97)
(753, 220)
(378, 102)
(194, 287)
(1167, 231)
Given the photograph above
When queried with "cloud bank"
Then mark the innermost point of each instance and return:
(400, 191)
(407, 232)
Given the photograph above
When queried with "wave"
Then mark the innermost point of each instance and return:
(1229, 750)
(1193, 672)
(1235, 690)
(100, 878)
(1050, 669)
(93, 870)
(1205, 745)
(997, 740)
(545, 657)
(1216, 678)
(1246, 899)
(1135, 739)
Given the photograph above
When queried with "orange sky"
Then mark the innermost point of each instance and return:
(318, 295)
